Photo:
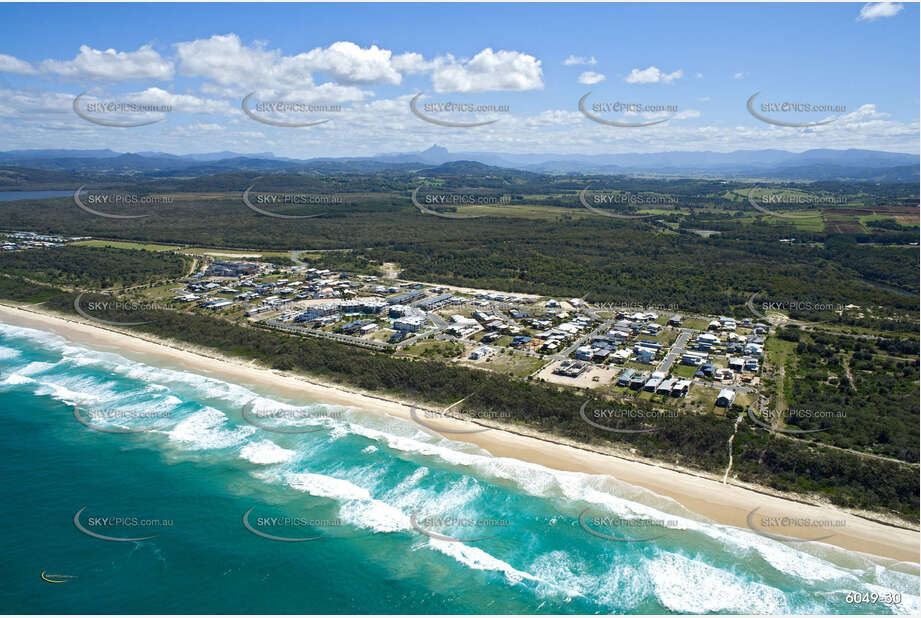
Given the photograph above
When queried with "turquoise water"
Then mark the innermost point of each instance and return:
(356, 484)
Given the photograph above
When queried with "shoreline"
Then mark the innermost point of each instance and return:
(729, 504)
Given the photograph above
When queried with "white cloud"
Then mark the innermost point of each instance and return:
(738, 76)
(178, 102)
(383, 125)
(652, 75)
(574, 60)
(34, 104)
(111, 65)
(328, 92)
(590, 77)
(700, 76)
(865, 113)
(688, 113)
(411, 62)
(488, 70)
(348, 63)
(10, 64)
(555, 117)
(225, 60)
(197, 128)
(875, 10)
(322, 93)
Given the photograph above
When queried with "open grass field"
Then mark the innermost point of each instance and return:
(433, 349)
(235, 253)
(521, 211)
(695, 323)
(778, 352)
(122, 244)
(513, 364)
(683, 371)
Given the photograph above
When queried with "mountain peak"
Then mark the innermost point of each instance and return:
(435, 149)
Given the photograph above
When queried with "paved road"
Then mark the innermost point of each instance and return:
(675, 351)
(440, 322)
(565, 353)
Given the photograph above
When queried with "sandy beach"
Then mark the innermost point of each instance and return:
(729, 504)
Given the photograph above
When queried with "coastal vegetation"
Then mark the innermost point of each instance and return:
(694, 441)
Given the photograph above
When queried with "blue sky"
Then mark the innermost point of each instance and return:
(701, 62)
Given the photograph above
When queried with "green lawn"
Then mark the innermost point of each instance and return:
(695, 323)
(433, 349)
(778, 352)
(238, 253)
(667, 337)
(514, 364)
(701, 397)
(683, 371)
(119, 244)
(639, 366)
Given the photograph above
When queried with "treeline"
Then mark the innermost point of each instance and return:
(845, 479)
(15, 289)
(855, 392)
(694, 441)
(614, 261)
(640, 261)
(93, 267)
(15, 178)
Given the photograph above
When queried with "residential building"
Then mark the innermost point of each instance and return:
(435, 302)
(406, 297)
(725, 398)
(625, 377)
(693, 359)
(665, 386)
(680, 388)
(409, 324)
(481, 352)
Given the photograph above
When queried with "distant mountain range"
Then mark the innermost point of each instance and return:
(821, 164)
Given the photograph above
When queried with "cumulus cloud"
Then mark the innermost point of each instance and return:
(875, 10)
(111, 65)
(652, 75)
(11, 64)
(235, 67)
(232, 68)
(34, 104)
(178, 102)
(411, 62)
(865, 113)
(590, 77)
(225, 60)
(575, 60)
(348, 63)
(488, 70)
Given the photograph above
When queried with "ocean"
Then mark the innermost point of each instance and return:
(215, 498)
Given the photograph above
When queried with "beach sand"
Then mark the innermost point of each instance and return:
(728, 504)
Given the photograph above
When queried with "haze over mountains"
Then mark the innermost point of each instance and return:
(822, 164)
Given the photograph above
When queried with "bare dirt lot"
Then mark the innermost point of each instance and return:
(586, 380)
